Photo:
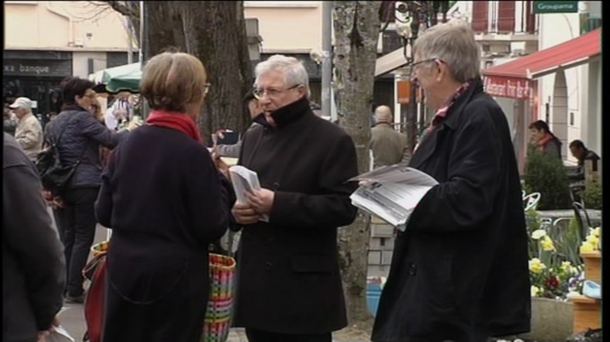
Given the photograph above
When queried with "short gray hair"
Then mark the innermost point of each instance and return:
(293, 70)
(454, 44)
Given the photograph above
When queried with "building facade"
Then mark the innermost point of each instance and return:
(46, 41)
(536, 50)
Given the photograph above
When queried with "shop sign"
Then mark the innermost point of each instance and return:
(39, 68)
(542, 7)
(514, 88)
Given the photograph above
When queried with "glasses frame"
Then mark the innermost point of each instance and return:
(414, 65)
(259, 95)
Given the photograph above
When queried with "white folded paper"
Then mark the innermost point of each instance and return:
(392, 192)
(244, 179)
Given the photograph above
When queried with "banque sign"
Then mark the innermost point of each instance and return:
(37, 68)
(542, 7)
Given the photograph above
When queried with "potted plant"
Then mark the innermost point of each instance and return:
(555, 271)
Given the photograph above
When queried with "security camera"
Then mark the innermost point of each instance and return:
(316, 56)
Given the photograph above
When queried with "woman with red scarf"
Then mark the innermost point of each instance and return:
(547, 141)
(166, 202)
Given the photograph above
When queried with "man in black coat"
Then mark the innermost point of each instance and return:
(460, 268)
(33, 266)
(289, 282)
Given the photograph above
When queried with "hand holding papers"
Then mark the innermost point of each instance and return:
(391, 192)
(243, 180)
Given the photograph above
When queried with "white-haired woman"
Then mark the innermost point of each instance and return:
(460, 268)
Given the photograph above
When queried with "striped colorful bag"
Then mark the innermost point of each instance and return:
(220, 303)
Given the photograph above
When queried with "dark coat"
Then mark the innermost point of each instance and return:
(460, 270)
(166, 202)
(33, 265)
(553, 147)
(81, 141)
(289, 280)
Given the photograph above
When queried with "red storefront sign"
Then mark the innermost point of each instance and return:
(511, 87)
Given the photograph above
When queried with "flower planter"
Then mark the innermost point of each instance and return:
(551, 320)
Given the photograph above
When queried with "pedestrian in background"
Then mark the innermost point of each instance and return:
(232, 151)
(78, 135)
(545, 139)
(29, 131)
(33, 265)
(459, 270)
(389, 146)
(165, 202)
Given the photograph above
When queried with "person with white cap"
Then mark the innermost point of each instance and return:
(29, 130)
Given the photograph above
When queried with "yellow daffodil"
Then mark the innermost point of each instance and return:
(587, 247)
(547, 244)
(534, 291)
(593, 240)
(595, 232)
(536, 265)
(537, 234)
(566, 266)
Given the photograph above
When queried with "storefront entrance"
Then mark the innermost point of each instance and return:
(36, 75)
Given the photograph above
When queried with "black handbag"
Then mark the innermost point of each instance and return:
(53, 174)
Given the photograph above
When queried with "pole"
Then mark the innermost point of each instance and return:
(327, 68)
(144, 48)
(129, 42)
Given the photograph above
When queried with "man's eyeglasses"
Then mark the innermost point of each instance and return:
(260, 92)
(414, 65)
(206, 88)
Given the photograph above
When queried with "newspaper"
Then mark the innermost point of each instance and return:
(391, 192)
(244, 179)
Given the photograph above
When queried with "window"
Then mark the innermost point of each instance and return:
(571, 118)
(480, 16)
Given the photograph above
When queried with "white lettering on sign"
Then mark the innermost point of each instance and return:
(34, 69)
(514, 88)
(555, 7)
(27, 69)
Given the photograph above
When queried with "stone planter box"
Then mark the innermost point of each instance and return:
(551, 320)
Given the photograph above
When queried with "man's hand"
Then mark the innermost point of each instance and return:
(261, 200)
(244, 213)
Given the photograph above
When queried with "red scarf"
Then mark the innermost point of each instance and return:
(442, 112)
(545, 139)
(175, 120)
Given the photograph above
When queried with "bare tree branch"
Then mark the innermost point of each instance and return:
(130, 9)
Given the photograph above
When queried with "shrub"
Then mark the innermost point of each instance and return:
(547, 175)
(592, 195)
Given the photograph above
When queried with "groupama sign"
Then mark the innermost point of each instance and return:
(541, 7)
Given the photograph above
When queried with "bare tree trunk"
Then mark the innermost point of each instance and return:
(216, 33)
(357, 27)
(165, 28)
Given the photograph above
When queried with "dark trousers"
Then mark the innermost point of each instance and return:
(265, 336)
(78, 221)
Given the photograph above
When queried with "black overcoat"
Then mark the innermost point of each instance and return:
(289, 280)
(460, 270)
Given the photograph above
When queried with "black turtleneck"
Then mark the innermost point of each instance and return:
(288, 114)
